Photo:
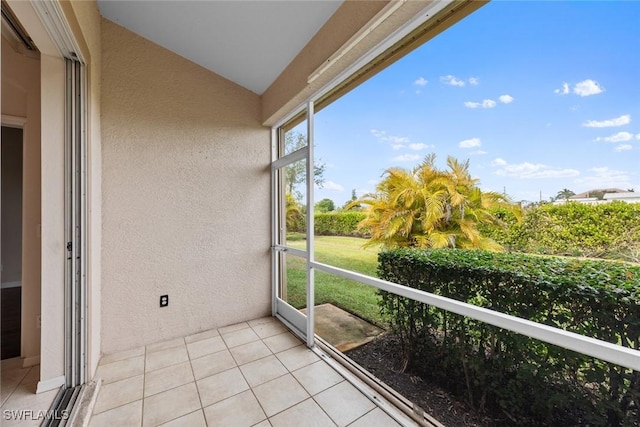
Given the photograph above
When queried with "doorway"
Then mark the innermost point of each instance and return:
(11, 251)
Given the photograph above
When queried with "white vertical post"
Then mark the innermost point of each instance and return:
(69, 208)
(275, 221)
(310, 229)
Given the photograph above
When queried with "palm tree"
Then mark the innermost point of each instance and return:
(565, 193)
(430, 208)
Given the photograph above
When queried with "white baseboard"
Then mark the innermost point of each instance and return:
(30, 361)
(50, 384)
(5, 285)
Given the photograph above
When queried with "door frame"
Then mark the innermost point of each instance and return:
(48, 24)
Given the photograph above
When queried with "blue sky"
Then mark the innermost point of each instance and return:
(540, 96)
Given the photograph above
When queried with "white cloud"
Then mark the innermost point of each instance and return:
(394, 140)
(487, 103)
(398, 139)
(421, 81)
(406, 158)
(377, 133)
(332, 186)
(474, 81)
(451, 80)
(470, 143)
(527, 170)
(618, 121)
(397, 146)
(618, 137)
(587, 88)
(584, 88)
(419, 146)
(623, 147)
(478, 153)
(564, 90)
(603, 177)
(637, 135)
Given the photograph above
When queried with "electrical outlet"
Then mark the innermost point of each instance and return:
(164, 300)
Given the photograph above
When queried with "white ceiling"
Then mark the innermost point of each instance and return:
(247, 41)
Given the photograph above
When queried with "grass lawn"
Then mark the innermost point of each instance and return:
(343, 252)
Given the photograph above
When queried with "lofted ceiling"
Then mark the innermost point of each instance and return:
(250, 42)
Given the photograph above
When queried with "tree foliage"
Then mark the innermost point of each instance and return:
(350, 205)
(431, 208)
(296, 173)
(325, 205)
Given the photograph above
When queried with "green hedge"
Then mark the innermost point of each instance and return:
(520, 380)
(610, 230)
(338, 223)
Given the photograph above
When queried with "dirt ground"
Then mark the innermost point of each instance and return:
(380, 357)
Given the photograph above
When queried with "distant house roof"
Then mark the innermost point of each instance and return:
(590, 193)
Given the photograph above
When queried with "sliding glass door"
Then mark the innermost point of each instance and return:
(75, 227)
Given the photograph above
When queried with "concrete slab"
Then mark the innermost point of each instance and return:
(342, 329)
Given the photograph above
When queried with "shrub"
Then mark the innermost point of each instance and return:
(610, 230)
(339, 224)
(526, 381)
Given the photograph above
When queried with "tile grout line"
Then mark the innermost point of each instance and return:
(236, 361)
(17, 385)
(144, 373)
(299, 383)
(250, 387)
(367, 413)
(290, 372)
(237, 365)
(312, 396)
(182, 385)
(172, 388)
(124, 404)
(321, 407)
(195, 382)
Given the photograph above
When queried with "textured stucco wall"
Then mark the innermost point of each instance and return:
(21, 98)
(185, 196)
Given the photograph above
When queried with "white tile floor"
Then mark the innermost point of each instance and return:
(18, 395)
(250, 374)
